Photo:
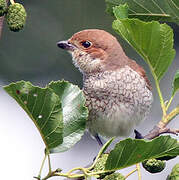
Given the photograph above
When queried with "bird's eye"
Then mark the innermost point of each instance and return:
(86, 44)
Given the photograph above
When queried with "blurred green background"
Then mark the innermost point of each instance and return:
(32, 53)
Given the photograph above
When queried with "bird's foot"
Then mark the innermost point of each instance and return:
(138, 135)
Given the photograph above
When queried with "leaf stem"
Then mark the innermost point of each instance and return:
(102, 150)
(138, 171)
(153, 14)
(130, 173)
(171, 115)
(84, 170)
(168, 104)
(54, 173)
(49, 164)
(69, 175)
(12, 1)
(160, 97)
(42, 165)
(162, 103)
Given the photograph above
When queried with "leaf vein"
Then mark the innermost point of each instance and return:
(129, 158)
(158, 6)
(119, 157)
(52, 131)
(174, 11)
(174, 4)
(42, 109)
(142, 6)
(32, 111)
(162, 47)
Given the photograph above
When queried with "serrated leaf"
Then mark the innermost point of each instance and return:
(131, 151)
(74, 113)
(102, 150)
(175, 83)
(152, 40)
(44, 108)
(165, 10)
(121, 12)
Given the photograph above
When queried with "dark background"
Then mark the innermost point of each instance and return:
(32, 55)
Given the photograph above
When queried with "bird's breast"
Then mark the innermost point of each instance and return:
(117, 101)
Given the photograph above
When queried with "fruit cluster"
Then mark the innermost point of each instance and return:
(106, 176)
(15, 15)
(154, 165)
(175, 173)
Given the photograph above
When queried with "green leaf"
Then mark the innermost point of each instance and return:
(102, 150)
(175, 173)
(121, 12)
(105, 146)
(152, 40)
(166, 10)
(74, 113)
(175, 83)
(44, 108)
(129, 152)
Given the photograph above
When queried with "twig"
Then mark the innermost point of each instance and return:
(170, 101)
(170, 116)
(1, 22)
(73, 179)
(84, 170)
(12, 1)
(156, 131)
(49, 164)
(42, 165)
(161, 128)
(130, 173)
(138, 171)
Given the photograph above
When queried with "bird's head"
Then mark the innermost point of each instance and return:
(94, 50)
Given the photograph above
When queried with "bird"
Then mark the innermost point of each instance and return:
(117, 90)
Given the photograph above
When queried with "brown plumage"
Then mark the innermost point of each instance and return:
(102, 50)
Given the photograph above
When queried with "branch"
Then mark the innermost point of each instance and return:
(161, 128)
(157, 131)
(1, 22)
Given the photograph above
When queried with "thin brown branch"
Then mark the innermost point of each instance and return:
(157, 131)
(2, 22)
(161, 127)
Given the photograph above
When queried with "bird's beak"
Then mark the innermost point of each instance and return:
(65, 45)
